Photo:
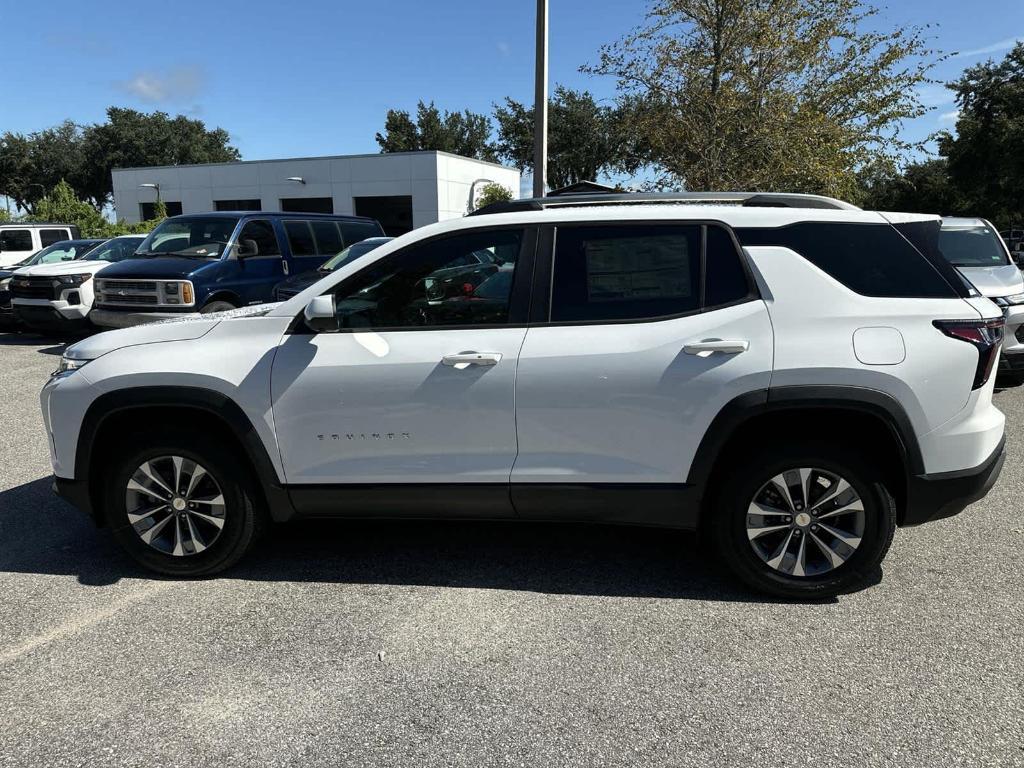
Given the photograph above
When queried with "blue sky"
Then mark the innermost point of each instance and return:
(316, 77)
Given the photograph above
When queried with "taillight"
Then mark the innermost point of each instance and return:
(985, 335)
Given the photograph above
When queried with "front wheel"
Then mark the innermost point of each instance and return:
(217, 306)
(181, 506)
(808, 522)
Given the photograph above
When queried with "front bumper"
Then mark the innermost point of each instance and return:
(76, 493)
(107, 318)
(46, 318)
(944, 494)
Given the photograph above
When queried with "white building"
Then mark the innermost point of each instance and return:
(401, 190)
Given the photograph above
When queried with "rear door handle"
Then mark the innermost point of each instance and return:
(466, 359)
(711, 346)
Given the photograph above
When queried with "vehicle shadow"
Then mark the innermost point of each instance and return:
(39, 533)
(56, 345)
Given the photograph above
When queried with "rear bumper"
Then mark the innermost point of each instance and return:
(944, 494)
(107, 318)
(1011, 362)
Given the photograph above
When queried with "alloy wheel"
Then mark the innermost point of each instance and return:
(175, 505)
(805, 522)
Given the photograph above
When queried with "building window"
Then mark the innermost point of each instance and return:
(393, 212)
(148, 210)
(307, 204)
(238, 205)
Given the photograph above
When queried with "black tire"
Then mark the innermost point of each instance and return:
(217, 306)
(244, 518)
(726, 520)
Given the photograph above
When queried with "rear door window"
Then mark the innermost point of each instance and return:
(50, 236)
(625, 272)
(300, 238)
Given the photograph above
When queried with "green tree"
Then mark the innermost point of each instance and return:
(768, 95)
(922, 187)
(583, 136)
(462, 133)
(33, 164)
(986, 157)
(62, 205)
(136, 139)
(493, 193)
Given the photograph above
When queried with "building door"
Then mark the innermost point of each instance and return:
(394, 212)
(307, 204)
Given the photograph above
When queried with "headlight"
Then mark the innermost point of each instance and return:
(68, 365)
(74, 279)
(1017, 298)
(5, 285)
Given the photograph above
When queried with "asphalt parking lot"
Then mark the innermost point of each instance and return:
(494, 644)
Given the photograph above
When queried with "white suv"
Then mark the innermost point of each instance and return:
(793, 381)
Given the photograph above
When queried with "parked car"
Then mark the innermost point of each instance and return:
(1014, 239)
(975, 248)
(298, 283)
(66, 250)
(213, 262)
(796, 398)
(57, 298)
(19, 241)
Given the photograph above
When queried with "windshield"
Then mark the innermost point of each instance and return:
(972, 246)
(66, 250)
(350, 254)
(200, 237)
(118, 249)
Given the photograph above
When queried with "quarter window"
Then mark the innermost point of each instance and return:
(455, 281)
(625, 272)
(725, 280)
(300, 237)
(16, 240)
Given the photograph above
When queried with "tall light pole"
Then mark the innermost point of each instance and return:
(540, 104)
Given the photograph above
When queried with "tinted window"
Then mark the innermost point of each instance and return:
(431, 285)
(354, 231)
(625, 272)
(972, 246)
(260, 235)
(51, 236)
(16, 240)
(871, 259)
(725, 280)
(300, 237)
(328, 240)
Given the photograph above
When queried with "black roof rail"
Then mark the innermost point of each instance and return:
(744, 199)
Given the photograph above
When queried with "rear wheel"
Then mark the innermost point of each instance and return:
(181, 506)
(810, 521)
(217, 306)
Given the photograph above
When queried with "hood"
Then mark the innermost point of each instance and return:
(994, 282)
(300, 282)
(63, 268)
(102, 343)
(168, 267)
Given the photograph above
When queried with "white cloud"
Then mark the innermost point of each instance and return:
(1002, 45)
(949, 117)
(174, 85)
(934, 95)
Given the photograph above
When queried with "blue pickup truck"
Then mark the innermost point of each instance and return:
(212, 262)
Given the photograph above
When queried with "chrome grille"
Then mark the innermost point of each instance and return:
(134, 293)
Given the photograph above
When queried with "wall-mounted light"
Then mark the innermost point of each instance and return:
(296, 179)
(150, 185)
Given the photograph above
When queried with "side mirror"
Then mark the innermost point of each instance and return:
(246, 249)
(321, 315)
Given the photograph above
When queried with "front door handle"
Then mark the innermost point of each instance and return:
(711, 346)
(466, 359)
